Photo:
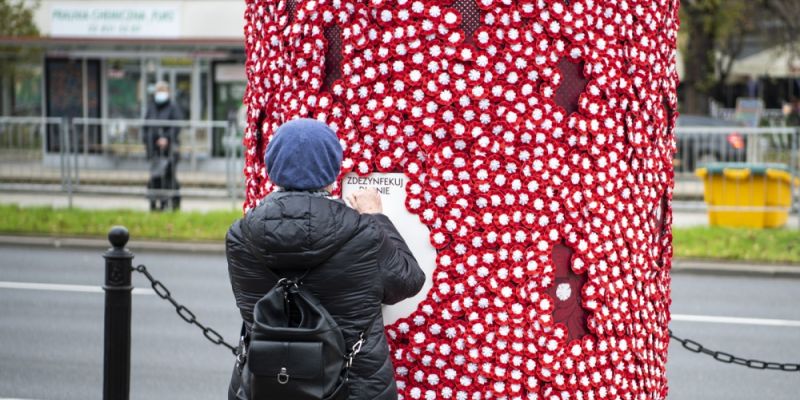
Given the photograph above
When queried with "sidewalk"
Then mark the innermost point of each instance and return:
(193, 199)
(35, 173)
(204, 200)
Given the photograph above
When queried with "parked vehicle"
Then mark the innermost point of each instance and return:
(698, 145)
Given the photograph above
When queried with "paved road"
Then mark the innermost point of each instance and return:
(51, 340)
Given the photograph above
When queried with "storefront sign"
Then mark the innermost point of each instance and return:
(749, 110)
(392, 187)
(113, 19)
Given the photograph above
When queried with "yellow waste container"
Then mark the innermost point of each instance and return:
(747, 195)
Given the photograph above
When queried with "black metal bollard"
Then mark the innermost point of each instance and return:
(117, 346)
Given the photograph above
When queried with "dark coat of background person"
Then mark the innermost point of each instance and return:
(359, 261)
(793, 119)
(163, 162)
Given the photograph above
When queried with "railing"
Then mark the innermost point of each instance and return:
(108, 156)
(24, 142)
(125, 137)
(702, 145)
(772, 116)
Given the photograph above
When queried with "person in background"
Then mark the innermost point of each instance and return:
(162, 144)
(793, 116)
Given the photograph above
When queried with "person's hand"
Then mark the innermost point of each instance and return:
(162, 142)
(366, 201)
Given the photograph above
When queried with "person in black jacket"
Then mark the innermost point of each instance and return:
(358, 259)
(161, 143)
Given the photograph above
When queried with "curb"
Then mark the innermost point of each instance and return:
(101, 244)
(680, 266)
(724, 267)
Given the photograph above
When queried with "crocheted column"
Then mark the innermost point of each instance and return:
(537, 137)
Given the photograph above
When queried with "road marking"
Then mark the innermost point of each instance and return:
(57, 287)
(735, 320)
(143, 291)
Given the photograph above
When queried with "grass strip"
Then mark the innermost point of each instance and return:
(177, 226)
(758, 245)
(767, 245)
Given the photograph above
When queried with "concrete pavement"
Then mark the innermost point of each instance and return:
(685, 214)
(218, 248)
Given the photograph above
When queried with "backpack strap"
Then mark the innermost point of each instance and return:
(356, 348)
(241, 349)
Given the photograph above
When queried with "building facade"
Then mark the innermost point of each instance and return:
(101, 59)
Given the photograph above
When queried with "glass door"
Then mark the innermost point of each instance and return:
(180, 83)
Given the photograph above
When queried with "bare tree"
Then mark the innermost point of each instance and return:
(16, 20)
(785, 29)
(713, 34)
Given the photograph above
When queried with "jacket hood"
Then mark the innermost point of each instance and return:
(298, 230)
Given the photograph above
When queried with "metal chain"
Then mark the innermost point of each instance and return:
(727, 358)
(183, 312)
(689, 344)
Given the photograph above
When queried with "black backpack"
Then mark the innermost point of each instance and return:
(296, 351)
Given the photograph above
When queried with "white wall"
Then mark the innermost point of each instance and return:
(214, 18)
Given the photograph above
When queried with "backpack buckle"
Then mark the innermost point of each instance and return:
(241, 354)
(287, 283)
(283, 377)
(355, 350)
(357, 346)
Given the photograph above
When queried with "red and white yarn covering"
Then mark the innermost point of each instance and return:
(537, 136)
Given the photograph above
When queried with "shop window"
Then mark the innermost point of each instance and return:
(64, 98)
(123, 79)
(26, 91)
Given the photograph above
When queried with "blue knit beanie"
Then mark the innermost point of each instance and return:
(304, 154)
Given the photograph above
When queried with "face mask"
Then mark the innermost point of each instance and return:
(161, 97)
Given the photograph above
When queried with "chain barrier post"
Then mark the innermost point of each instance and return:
(117, 342)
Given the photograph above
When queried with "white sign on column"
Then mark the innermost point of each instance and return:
(111, 19)
(392, 187)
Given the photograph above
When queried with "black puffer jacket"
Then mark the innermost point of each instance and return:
(359, 261)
